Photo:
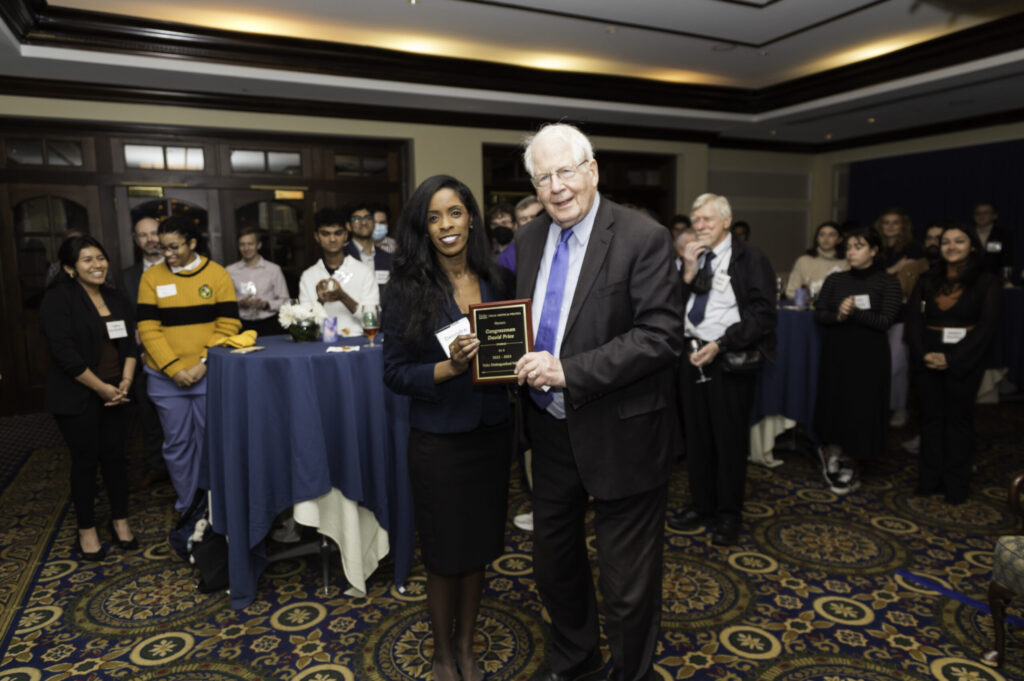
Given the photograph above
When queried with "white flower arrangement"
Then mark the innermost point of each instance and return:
(294, 312)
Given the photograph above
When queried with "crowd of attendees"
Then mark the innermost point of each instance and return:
(898, 319)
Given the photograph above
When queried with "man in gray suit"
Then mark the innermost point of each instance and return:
(599, 410)
(145, 234)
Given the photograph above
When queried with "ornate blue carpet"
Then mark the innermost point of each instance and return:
(875, 586)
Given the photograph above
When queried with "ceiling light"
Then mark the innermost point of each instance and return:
(828, 136)
(773, 133)
(610, 29)
(871, 119)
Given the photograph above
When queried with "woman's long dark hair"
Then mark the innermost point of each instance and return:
(813, 250)
(418, 285)
(938, 281)
(70, 249)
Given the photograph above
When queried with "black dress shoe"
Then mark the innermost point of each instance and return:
(94, 556)
(588, 670)
(689, 520)
(129, 545)
(727, 531)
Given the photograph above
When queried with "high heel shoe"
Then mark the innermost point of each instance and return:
(94, 556)
(129, 545)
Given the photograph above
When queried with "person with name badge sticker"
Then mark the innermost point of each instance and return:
(951, 322)
(460, 440)
(90, 332)
(855, 309)
(186, 305)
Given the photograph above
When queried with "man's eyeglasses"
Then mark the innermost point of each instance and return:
(361, 219)
(564, 174)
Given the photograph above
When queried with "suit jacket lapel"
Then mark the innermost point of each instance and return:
(529, 251)
(597, 249)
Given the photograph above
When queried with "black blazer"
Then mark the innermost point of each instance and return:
(381, 258)
(128, 285)
(994, 262)
(621, 340)
(74, 335)
(454, 406)
(753, 283)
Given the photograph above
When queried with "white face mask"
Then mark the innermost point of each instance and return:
(380, 230)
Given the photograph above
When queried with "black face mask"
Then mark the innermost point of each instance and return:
(503, 235)
(932, 253)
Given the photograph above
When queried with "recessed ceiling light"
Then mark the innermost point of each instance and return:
(828, 136)
(871, 119)
(610, 29)
(773, 132)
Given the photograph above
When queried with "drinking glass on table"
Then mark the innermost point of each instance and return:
(369, 317)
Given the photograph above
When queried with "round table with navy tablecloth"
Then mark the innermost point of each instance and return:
(293, 423)
(1008, 349)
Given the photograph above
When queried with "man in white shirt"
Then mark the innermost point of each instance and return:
(338, 281)
(259, 286)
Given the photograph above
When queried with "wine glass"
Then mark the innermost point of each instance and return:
(369, 317)
(695, 346)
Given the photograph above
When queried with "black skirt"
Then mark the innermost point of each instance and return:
(460, 496)
(852, 407)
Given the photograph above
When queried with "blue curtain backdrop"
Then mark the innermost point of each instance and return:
(944, 185)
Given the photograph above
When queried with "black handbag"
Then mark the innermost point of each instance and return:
(742, 361)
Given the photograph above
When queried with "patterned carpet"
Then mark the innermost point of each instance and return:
(876, 586)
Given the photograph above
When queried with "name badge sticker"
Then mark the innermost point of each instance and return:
(951, 335)
(720, 281)
(862, 302)
(383, 276)
(994, 247)
(117, 329)
(447, 334)
(166, 291)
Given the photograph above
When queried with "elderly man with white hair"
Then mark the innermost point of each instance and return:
(729, 292)
(600, 408)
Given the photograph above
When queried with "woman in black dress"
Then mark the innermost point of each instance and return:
(856, 308)
(91, 337)
(461, 434)
(951, 321)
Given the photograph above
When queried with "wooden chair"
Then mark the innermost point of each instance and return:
(1007, 577)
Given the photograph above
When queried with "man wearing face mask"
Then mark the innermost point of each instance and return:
(501, 227)
(380, 231)
(361, 244)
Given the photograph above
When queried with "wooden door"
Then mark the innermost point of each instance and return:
(35, 220)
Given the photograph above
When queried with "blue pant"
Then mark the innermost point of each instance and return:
(183, 417)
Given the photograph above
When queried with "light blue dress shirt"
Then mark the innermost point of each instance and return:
(577, 249)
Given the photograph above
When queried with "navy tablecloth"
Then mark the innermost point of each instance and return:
(789, 387)
(288, 423)
(1008, 348)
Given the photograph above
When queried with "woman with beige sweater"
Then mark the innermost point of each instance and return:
(821, 259)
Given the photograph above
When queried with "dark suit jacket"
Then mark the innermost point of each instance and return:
(753, 283)
(454, 406)
(994, 262)
(381, 258)
(128, 284)
(622, 337)
(74, 335)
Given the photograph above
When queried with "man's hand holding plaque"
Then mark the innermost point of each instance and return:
(505, 333)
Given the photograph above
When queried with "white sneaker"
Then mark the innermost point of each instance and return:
(829, 466)
(913, 445)
(847, 481)
(287, 533)
(898, 418)
(524, 521)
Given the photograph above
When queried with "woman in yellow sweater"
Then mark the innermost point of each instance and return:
(185, 305)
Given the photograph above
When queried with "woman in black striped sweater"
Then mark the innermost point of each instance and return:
(856, 309)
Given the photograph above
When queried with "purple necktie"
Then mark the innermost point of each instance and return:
(700, 302)
(547, 331)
